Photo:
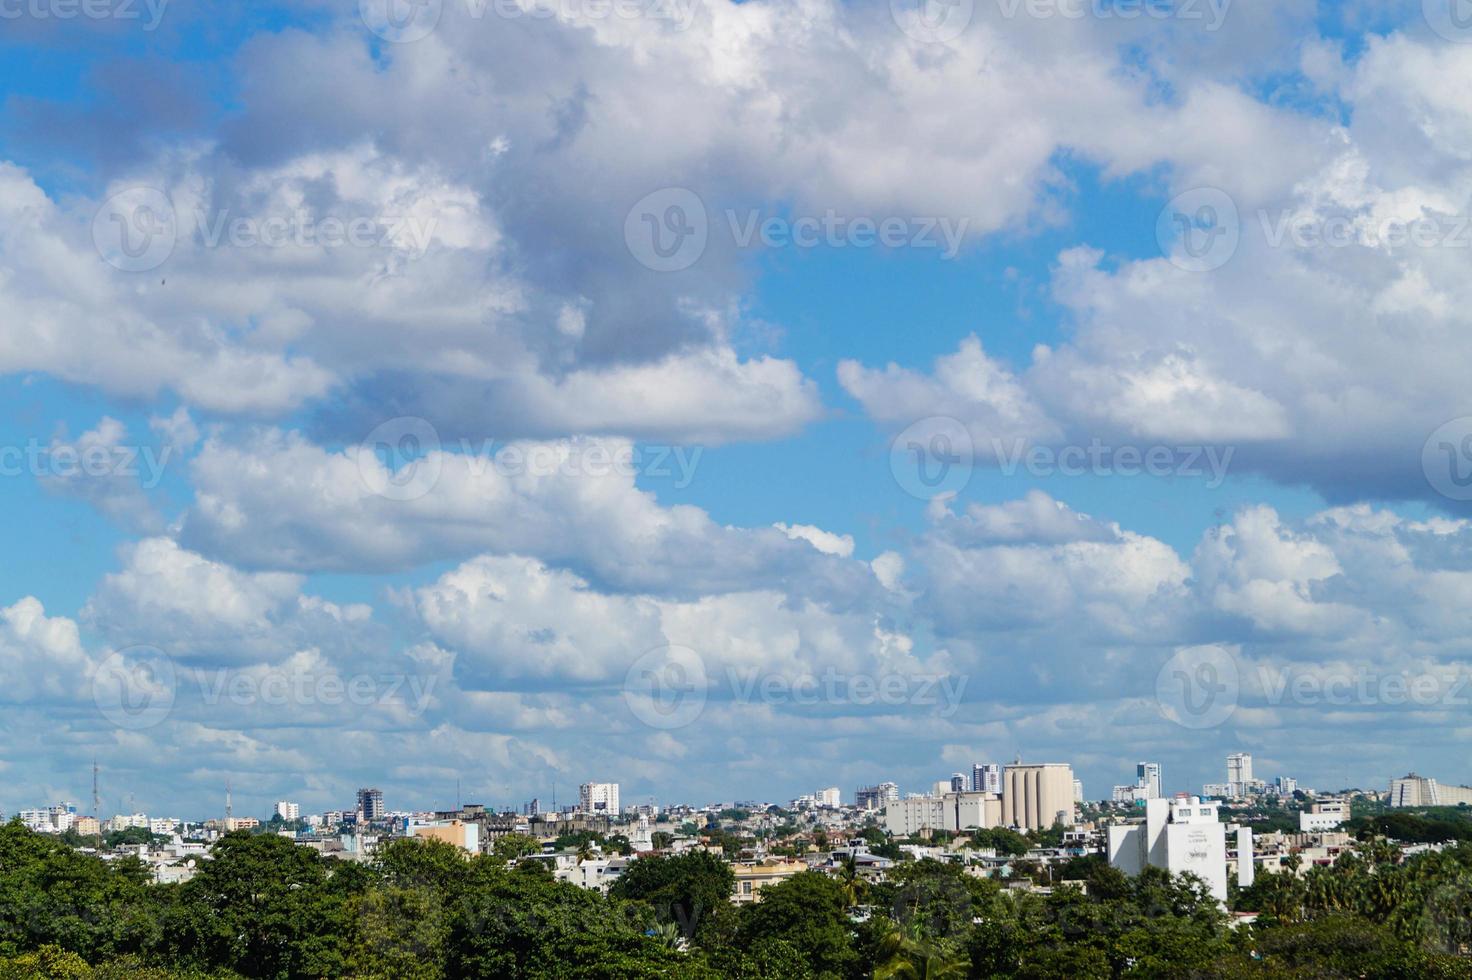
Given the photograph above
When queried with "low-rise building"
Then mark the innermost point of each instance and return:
(753, 876)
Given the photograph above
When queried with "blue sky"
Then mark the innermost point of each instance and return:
(503, 298)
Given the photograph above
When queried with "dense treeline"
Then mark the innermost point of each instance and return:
(263, 907)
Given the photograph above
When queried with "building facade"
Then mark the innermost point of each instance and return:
(1037, 796)
(598, 799)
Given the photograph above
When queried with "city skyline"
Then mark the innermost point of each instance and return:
(729, 418)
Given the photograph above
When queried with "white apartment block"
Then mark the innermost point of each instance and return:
(1180, 835)
(287, 810)
(829, 797)
(600, 799)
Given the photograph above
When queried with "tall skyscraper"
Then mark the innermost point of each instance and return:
(1147, 778)
(958, 783)
(1239, 769)
(986, 778)
(370, 804)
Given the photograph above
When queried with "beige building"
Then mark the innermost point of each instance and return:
(465, 836)
(753, 876)
(949, 811)
(1037, 796)
(1414, 790)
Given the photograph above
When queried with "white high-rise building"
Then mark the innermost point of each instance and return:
(287, 810)
(1239, 768)
(1147, 777)
(986, 778)
(598, 799)
(829, 797)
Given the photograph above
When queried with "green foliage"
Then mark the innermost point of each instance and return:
(1001, 840)
(808, 911)
(264, 907)
(684, 889)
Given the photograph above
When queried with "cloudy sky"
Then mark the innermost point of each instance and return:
(729, 399)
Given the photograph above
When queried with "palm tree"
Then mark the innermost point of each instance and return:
(855, 886)
(904, 954)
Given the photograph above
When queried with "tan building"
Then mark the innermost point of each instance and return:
(465, 836)
(753, 876)
(88, 826)
(1037, 796)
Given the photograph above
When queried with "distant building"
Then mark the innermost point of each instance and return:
(598, 799)
(370, 804)
(1324, 814)
(287, 810)
(1037, 796)
(949, 811)
(986, 778)
(958, 783)
(1287, 785)
(1147, 777)
(752, 876)
(829, 797)
(463, 835)
(876, 797)
(1414, 790)
(1146, 785)
(1179, 835)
